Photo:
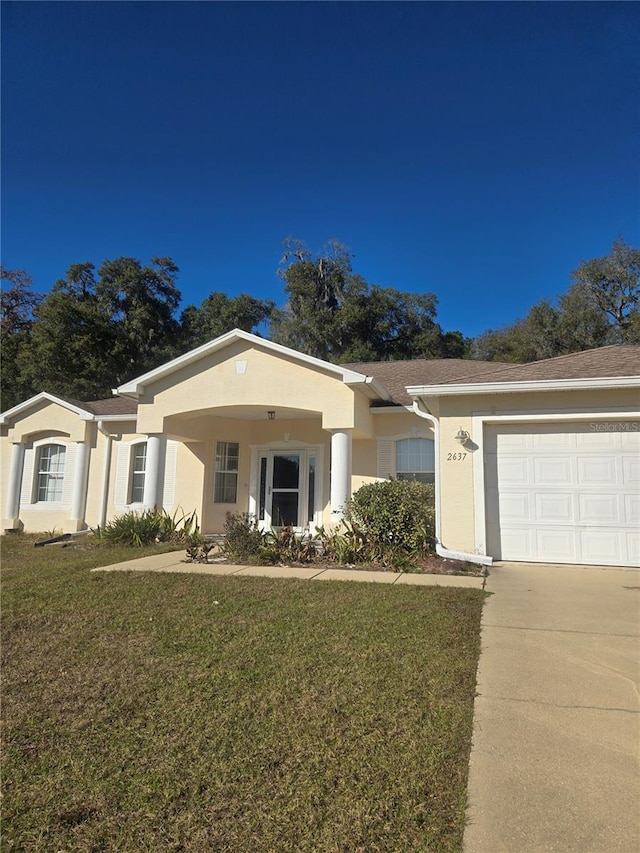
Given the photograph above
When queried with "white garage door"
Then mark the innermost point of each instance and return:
(564, 493)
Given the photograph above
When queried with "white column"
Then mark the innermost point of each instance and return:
(340, 473)
(80, 474)
(15, 482)
(153, 472)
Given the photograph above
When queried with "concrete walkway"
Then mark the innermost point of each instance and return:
(174, 562)
(554, 762)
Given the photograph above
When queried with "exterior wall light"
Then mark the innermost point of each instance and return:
(462, 436)
(271, 416)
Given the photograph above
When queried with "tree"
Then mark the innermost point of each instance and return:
(601, 307)
(614, 282)
(18, 304)
(315, 289)
(93, 333)
(336, 315)
(219, 314)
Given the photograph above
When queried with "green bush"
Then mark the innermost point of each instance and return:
(396, 516)
(243, 540)
(151, 525)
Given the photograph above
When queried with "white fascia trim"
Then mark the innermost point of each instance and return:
(367, 384)
(136, 386)
(7, 417)
(115, 418)
(602, 383)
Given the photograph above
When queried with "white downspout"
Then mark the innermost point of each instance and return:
(104, 498)
(440, 549)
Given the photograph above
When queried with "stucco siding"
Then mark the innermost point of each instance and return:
(462, 504)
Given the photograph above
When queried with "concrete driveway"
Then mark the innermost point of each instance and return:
(554, 763)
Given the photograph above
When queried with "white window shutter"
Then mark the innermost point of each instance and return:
(170, 466)
(386, 460)
(28, 487)
(121, 487)
(69, 474)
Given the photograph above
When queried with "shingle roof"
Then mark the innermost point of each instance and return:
(111, 406)
(396, 375)
(612, 362)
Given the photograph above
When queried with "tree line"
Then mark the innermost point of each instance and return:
(97, 328)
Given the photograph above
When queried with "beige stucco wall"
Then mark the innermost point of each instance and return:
(269, 382)
(458, 502)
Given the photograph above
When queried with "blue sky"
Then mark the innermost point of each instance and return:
(474, 150)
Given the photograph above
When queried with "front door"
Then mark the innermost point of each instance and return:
(283, 491)
(287, 488)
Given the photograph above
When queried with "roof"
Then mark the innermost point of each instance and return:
(367, 384)
(613, 366)
(613, 361)
(395, 376)
(113, 408)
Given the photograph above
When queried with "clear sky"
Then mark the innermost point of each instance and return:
(475, 150)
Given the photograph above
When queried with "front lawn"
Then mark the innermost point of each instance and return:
(170, 712)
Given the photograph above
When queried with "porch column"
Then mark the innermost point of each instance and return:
(15, 483)
(340, 473)
(153, 472)
(80, 475)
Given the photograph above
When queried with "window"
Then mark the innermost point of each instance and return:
(138, 470)
(226, 477)
(415, 460)
(50, 472)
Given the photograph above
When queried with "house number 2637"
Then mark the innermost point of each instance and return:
(456, 457)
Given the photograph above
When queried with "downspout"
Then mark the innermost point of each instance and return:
(440, 549)
(104, 498)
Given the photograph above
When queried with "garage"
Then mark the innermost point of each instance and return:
(564, 492)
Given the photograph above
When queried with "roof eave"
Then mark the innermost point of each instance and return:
(136, 387)
(468, 388)
(6, 418)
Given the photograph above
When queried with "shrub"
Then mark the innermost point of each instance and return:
(345, 544)
(243, 540)
(396, 516)
(151, 525)
(284, 545)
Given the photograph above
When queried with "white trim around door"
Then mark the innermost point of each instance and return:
(286, 485)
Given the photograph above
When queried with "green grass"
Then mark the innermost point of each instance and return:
(158, 712)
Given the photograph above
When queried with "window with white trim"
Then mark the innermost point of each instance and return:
(50, 468)
(226, 472)
(415, 460)
(138, 472)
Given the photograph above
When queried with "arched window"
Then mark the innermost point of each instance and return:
(415, 459)
(50, 472)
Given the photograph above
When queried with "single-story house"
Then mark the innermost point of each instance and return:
(533, 462)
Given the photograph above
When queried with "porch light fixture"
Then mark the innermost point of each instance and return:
(462, 436)
(271, 416)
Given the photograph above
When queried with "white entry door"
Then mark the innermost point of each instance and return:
(564, 493)
(287, 485)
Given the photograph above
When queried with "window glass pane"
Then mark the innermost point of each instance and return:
(138, 468)
(415, 455)
(225, 489)
(50, 472)
(263, 487)
(285, 471)
(312, 488)
(284, 509)
(226, 475)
